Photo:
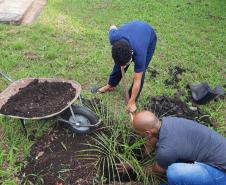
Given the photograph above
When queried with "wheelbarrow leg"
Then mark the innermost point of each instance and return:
(23, 122)
(72, 113)
(80, 99)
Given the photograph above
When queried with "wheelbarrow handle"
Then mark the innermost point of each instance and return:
(6, 77)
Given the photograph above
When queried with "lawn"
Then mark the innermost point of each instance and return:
(70, 40)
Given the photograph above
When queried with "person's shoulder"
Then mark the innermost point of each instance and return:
(182, 125)
(173, 123)
(177, 119)
(168, 119)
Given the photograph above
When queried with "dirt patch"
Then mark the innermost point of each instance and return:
(31, 55)
(39, 99)
(167, 106)
(54, 158)
(175, 76)
(153, 73)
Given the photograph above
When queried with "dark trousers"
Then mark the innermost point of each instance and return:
(116, 74)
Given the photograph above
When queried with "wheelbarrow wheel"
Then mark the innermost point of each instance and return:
(83, 116)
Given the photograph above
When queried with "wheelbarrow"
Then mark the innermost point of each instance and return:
(78, 118)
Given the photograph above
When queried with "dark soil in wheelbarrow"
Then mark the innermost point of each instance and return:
(39, 99)
(54, 160)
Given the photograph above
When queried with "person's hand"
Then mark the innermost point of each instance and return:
(113, 27)
(123, 167)
(131, 106)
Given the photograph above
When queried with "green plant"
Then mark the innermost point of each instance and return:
(106, 156)
(112, 148)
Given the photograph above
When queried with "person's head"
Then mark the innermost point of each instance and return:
(146, 124)
(121, 52)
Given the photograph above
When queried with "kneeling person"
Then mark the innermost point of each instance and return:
(188, 152)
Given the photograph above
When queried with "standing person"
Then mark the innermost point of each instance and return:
(132, 42)
(189, 153)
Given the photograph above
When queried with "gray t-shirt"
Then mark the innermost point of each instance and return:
(183, 140)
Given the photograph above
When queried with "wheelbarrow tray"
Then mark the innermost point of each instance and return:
(14, 88)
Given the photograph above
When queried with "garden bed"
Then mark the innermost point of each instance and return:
(54, 160)
(61, 157)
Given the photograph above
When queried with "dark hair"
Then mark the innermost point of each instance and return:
(121, 52)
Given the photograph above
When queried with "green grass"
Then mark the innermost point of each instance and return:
(70, 40)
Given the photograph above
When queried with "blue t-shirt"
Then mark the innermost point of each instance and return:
(183, 140)
(139, 35)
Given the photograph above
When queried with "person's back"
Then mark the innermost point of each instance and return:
(182, 140)
(137, 33)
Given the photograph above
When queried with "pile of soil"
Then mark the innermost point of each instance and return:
(54, 158)
(175, 76)
(153, 73)
(171, 106)
(39, 99)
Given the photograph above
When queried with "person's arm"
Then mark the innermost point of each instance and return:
(135, 90)
(155, 169)
(139, 69)
(165, 156)
(158, 169)
(150, 146)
